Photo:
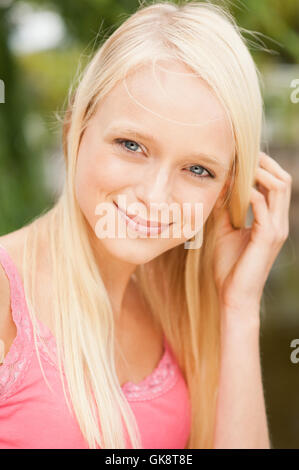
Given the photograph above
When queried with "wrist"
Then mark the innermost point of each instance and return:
(245, 317)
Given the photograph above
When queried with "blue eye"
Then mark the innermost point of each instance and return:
(200, 168)
(199, 175)
(121, 142)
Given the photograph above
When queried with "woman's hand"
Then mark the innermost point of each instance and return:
(244, 257)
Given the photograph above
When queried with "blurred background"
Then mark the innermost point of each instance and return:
(44, 44)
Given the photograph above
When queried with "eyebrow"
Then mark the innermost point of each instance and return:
(135, 132)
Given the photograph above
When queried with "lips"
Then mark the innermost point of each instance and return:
(143, 222)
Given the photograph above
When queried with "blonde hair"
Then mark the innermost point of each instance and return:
(178, 285)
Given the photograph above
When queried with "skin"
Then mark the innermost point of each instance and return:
(155, 171)
(243, 257)
(242, 262)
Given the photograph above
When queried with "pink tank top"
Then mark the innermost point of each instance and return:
(33, 417)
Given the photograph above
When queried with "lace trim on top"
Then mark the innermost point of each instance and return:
(162, 379)
(19, 356)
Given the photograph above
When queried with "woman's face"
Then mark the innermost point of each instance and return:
(168, 143)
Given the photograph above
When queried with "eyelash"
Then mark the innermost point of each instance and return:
(120, 142)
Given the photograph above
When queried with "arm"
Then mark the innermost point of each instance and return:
(241, 421)
(243, 258)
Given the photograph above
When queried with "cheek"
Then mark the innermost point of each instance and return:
(97, 176)
(209, 203)
(206, 202)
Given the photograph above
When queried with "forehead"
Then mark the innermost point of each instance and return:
(173, 104)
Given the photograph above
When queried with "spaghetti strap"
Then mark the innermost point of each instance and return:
(17, 294)
(18, 357)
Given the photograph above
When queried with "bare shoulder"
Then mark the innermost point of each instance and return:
(4, 299)
(13, 242)
(7, 327)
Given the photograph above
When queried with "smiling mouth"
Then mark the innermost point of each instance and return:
(139, 224)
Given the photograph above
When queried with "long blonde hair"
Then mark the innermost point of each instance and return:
(178, 285)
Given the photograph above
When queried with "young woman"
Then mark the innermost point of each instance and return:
(142, 341)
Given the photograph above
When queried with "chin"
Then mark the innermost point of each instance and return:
(139, 251)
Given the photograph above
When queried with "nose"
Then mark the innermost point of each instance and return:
(155, 187)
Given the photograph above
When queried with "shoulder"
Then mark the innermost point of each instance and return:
(4, 297)
(12, 242)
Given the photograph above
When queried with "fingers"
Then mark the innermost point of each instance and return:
(268, 180)
(274, 185)
(269, 164)
(277, 195)
(263, 190)
(259, 208)
(274, 178)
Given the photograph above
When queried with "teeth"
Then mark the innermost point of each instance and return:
(146, 224)
(140, 228)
